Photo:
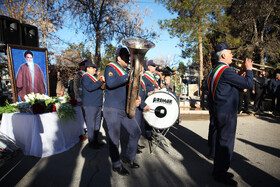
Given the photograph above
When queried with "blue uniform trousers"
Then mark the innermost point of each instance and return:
(212, 136)
(93, 120)
(226, 127)
(115, 118)
(140, 120)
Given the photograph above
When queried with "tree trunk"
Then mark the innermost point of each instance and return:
(262, 56)
(97, 56)
(200, 64)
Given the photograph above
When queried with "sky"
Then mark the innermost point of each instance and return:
(165, 47)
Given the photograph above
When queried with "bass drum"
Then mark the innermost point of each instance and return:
(164, 110)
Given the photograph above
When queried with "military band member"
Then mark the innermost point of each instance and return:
(160, 76)
(151, 85)
(176, 80)
(223, 86)
(92, 102)
(141, 108)
(114, 113)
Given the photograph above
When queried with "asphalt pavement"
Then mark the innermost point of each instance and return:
(183, 162)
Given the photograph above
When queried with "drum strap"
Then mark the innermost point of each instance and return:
(151, 78)
(90, 76)
(118, 68)
(214, 77)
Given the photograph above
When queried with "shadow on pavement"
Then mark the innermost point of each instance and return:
(252, 175)
(267, 149)
(194, 151)
(97, 168)
(194, 148)
(56, 170)
(16, 168)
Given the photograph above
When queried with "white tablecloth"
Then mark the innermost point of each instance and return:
(43, 135)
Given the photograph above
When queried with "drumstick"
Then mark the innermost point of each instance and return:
(161, 111)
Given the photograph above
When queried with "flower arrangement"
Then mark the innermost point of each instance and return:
(38, 104)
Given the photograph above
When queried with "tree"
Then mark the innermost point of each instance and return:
(193, 21)
(182, 68)
(74, 54)
(105, 20)
(258, 25)
(109, 55)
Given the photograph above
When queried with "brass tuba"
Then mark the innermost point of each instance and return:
(137, 49)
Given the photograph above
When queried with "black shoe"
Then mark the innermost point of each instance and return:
(121, 171)
(95, 145)
(248, 112)
(138, 151)
(230, 175)
(141, 146)
(225, 180)
(225, 175)
(131, 163)
(149, 138)
(99, 144)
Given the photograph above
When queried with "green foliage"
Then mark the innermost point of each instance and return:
(7, 108)
(195, 18)
(182, 68)
(259, 33)
(82, 50)
(65, 112)
(105, 21)
(109, 55)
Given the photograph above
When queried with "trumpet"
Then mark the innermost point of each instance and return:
(253, 68)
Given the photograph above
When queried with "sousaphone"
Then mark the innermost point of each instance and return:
(137, 49)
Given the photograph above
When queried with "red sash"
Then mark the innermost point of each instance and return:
(91, 76)
(143, 84)
(118, 68)
(151, 79)
(214, 77)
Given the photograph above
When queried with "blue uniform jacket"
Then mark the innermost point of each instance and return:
(115, 92)
(227, 91)
(149, 85)
(92, 93)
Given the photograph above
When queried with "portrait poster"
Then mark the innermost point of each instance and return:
(28, 68)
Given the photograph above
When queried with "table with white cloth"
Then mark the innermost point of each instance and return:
(43, 135)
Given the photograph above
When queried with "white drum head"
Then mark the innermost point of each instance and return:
(164, 110)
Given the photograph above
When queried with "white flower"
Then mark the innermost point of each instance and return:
(57, 105)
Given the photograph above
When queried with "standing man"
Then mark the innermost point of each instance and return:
(93, 100)
(224, 85)
(114, 112)
(30, 77)
(160, 76)
(244, 95)
(142, 107)
(151, 86)
(176, 80)
(259, 89)
(78, 91)
(274, 87)
(78, 82)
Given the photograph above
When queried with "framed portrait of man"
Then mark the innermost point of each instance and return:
(28, 68)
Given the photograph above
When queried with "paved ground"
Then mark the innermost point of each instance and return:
(256, 161)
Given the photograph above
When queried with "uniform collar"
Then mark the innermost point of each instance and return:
(223, 63)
